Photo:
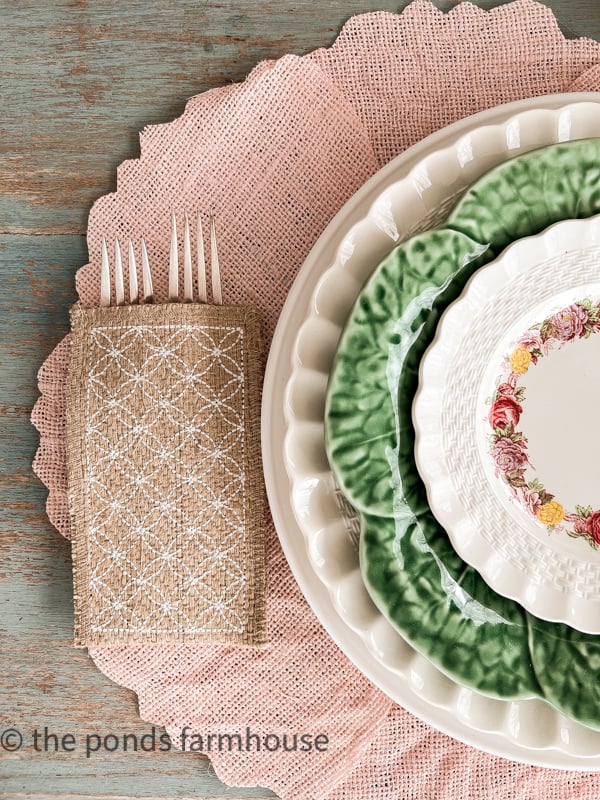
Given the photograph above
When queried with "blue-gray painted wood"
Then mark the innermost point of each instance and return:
(78, 80)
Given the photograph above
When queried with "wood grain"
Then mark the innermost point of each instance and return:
(78, 80)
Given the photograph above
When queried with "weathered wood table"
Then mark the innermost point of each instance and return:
(78, 80)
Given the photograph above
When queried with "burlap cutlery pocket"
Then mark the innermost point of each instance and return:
(164, 473)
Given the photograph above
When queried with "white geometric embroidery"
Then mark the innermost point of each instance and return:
(165, 479)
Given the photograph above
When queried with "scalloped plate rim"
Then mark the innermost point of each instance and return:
(527, 593)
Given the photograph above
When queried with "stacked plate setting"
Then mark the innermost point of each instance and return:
(450, 544)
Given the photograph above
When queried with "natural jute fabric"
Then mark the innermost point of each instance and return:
(164, 474)
(277, 156)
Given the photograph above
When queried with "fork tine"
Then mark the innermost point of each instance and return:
(133, 281)
(119, 290)
(188, 289)
(173, 264)
(104, 277)
(146, 276)
(201, 263)
(148, 292)
(214, 264)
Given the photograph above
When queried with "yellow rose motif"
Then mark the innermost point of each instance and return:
(551, 513)
(520, 360)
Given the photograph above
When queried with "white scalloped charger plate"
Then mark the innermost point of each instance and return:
(551, 574)
(316, 531)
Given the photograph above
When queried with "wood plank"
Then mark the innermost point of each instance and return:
(129, 776)
(79, 80)
(232, 795)
(151, 780)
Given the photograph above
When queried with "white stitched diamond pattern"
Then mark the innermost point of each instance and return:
(166, 479)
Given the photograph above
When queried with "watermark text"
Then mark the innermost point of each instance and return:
(45, 740)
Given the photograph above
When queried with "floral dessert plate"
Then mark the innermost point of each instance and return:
(506, 423)
(316, 529)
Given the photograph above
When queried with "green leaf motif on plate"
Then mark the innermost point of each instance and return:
(388, 319)
(441, 605)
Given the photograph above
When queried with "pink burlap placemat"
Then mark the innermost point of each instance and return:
(276, 157)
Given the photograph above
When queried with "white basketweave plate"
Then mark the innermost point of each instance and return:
(506, 423)
(317, 531)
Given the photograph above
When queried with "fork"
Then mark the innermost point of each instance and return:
(173, 290)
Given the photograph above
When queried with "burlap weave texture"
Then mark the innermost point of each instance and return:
(165, 482)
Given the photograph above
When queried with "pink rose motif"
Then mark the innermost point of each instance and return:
(570, 322)
(505, 390)
(592, 526)
(532, 500)
(531, 340)
(504, 410)
(508, 455)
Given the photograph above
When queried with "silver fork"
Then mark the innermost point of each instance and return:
(188, 280)
(105, 281)
(173, 292)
